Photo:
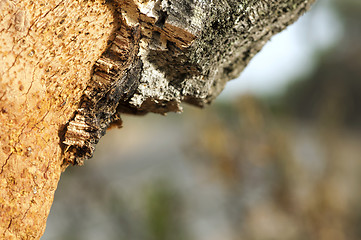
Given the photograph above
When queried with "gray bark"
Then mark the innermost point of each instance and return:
(218, 40)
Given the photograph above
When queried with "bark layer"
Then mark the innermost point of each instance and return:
(69, 68)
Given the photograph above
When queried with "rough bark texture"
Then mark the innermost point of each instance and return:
(69, 68)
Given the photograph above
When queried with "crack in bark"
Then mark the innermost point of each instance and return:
(32, 80)
(18, 138)
(3, 95)
(8, 227)
(6, 162)
(16, 58)
(27, 210)
(41, 17)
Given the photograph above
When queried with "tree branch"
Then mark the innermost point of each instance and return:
(70, 68)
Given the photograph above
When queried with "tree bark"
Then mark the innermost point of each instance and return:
(70, 68)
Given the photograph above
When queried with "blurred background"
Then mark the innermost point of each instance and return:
(276, 156)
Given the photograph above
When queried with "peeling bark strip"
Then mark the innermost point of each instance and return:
(116, 77)
(170, 51)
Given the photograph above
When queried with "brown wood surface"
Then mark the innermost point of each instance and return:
(47, 50)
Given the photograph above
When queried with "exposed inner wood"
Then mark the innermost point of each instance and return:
(47, 50)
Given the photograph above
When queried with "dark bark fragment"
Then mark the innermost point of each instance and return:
(115, 78)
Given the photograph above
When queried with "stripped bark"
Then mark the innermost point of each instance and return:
(70, 68)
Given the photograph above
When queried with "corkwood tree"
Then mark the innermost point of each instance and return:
(70, 68)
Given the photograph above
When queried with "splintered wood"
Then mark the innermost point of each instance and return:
(115, 78)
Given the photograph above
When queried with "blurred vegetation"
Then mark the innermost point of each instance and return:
(331, 94)
(257, 168)
(163, 210)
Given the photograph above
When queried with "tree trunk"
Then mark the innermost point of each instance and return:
(70, 68)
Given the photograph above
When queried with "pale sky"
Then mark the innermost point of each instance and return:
(289, 54)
